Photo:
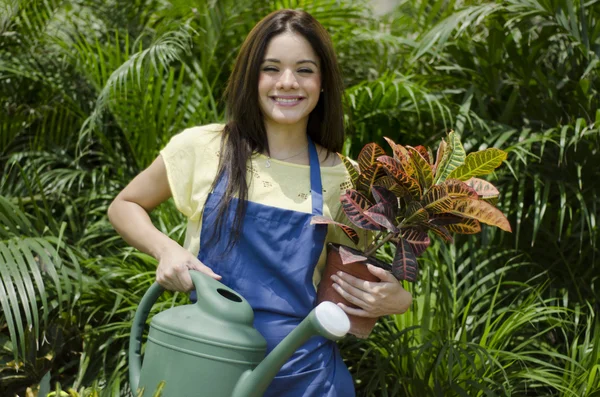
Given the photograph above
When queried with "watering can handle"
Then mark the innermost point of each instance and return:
(137, 331)
(201, 283)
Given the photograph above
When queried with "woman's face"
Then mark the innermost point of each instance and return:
(289, 82)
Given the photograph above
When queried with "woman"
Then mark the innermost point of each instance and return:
(249, 189)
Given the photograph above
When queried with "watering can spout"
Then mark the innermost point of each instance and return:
(327, 320)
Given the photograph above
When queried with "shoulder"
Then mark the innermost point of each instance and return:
(327, 158)
(194, 139)
(201, 133)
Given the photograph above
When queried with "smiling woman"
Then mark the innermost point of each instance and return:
(250, 188)
(289, 87)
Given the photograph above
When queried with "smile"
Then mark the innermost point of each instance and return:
(287, 101)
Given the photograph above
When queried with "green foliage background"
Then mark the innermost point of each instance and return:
(90, 90)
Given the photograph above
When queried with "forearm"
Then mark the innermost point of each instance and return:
(133, 223)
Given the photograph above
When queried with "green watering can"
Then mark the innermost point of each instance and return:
(210, 349)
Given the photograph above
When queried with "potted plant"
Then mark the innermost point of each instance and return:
(400, 199)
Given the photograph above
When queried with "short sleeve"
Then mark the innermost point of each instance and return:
(191, 161)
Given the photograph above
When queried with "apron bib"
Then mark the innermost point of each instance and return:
(272, 266)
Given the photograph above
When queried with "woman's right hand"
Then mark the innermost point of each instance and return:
(173, 269)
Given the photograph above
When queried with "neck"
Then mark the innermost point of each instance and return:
(285, 141)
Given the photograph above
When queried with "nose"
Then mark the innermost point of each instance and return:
(287, 81)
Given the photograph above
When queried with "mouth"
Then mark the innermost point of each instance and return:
(287, 100)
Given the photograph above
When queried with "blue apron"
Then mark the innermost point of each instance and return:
(272, 266)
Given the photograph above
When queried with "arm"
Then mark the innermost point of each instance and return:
(128, 213)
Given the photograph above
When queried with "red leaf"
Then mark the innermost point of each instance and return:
(418, 240)
(405, 266)
(321, 220)
(354, 205)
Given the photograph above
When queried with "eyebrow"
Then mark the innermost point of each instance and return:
(297, 63)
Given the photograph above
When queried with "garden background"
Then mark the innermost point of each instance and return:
(90, 90)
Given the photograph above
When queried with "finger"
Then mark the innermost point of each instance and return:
(382, 274)
(361, 284)
(163, 280)
(356, 311)
(201, 267)
(353, 297)
(184, 281)
(207, 270)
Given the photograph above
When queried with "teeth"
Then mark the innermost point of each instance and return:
(285, 100)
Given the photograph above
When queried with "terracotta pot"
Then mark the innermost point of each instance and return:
(360, 327)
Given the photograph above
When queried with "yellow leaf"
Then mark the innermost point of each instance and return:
(479, 163)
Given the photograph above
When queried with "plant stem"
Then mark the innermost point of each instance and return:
(372, 249)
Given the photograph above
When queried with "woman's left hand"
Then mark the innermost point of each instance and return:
(373, 298)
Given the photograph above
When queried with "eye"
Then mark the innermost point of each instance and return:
(305, 70)
(269, 69)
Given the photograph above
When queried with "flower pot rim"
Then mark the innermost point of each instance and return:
(370, 259)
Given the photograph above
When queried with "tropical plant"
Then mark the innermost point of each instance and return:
(401, 198)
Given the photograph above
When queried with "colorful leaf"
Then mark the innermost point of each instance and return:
(440, 154)
(401, 155)
(387, 202)
(390, 184)
(351, 168)
(437, 200)
(348, 256)
(422, 168)
(458, 189)
(415, 214)
(368, 156)
(453, 157)
(321, 220)
(423, 152)
(405, 265)
(418, 240)
(391, 167)
(481, 211)
(367, 178)
(376, 213)
(468, 226)
(482, 188)
(479, 163)
(446, 219)
(439, 230)
(354, 205)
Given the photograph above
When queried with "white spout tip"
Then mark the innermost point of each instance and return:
(332, 318)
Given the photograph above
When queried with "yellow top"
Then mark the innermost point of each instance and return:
(192, 157)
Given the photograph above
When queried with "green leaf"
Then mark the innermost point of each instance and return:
(452, 158)
(479, 163)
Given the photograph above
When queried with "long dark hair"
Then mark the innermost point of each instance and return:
(244, 134)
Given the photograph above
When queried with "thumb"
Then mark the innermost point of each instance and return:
(381, 274)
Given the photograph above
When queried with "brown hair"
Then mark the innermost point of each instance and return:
(244, 134)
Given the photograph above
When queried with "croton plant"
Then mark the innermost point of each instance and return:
(401, 198)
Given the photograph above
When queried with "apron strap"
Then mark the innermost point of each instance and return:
(316, 187)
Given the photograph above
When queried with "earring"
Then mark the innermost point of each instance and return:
(322, 90)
